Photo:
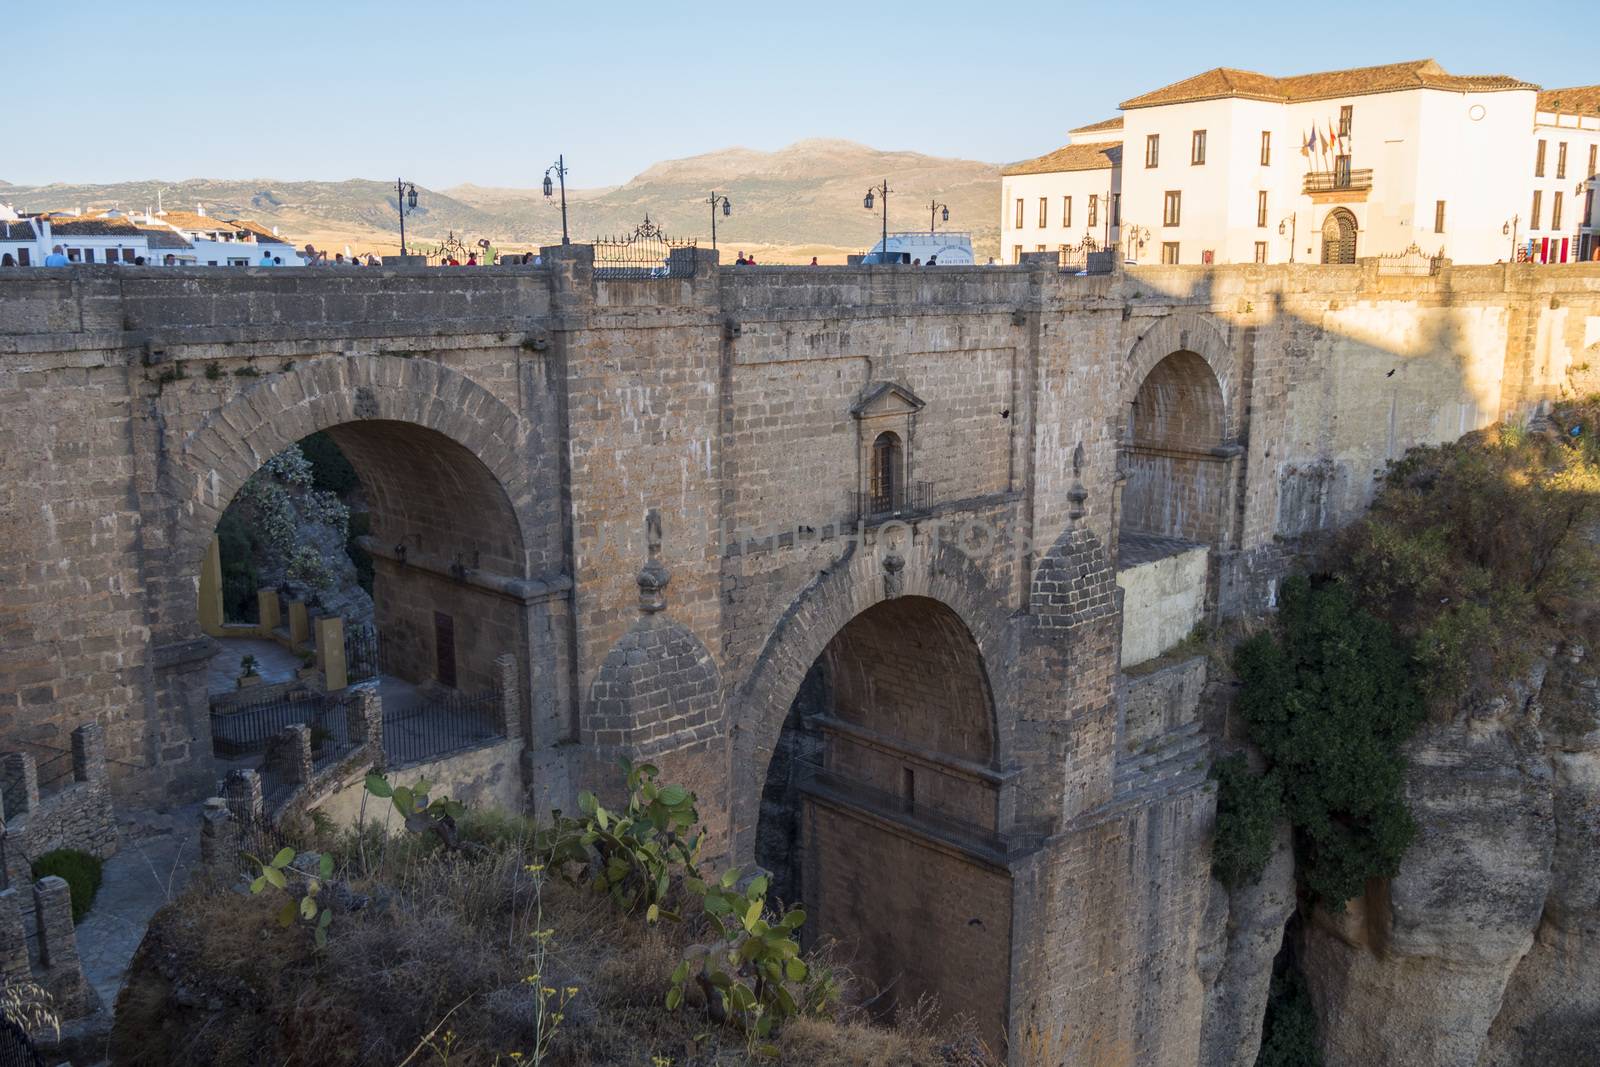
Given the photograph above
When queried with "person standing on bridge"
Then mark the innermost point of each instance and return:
(56, 258)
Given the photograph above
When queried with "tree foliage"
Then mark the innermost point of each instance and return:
(1248, 808)
(1330, 698)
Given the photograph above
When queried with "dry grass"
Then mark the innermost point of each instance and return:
(446, 940)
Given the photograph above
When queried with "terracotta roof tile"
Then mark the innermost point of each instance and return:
(189, 220)
(263, 234)
(92, 226)
(1097, 127)
(1578, 100)
(1225, 82)
(1101, 156)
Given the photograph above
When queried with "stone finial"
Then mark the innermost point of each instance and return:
(1077, 494)
(653, 576)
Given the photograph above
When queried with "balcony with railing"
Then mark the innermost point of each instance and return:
(1337, 182)
(892, 502)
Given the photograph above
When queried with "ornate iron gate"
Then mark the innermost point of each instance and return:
(644, 253)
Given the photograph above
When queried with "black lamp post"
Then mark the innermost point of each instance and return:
(1292, 225)
(1510, 230)
(883, 191)
(727, 209)
(559, 167)
(934, 207)
(405, 199)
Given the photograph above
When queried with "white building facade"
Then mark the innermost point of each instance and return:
(1068, 201)
(1235, 167)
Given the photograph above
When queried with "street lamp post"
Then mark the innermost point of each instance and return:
(934, 207)
(405, 199)
(727, 209)
(1293, 224)
(559, 168)
(1509, 229)
(1134, 238)
(883, 191)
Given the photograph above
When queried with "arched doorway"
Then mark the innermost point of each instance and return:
(436, 536)
(880, 810)
(1339, 237)
(1172, 453)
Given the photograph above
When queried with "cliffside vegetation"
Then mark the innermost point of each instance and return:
(484, 939)
(1475, 557)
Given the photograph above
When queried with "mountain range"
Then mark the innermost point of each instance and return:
(790, 204)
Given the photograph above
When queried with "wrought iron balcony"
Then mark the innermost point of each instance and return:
(897, 502)
(1338, 181)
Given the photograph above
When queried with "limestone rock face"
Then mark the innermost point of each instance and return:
(1243, 932)
(1416, 973)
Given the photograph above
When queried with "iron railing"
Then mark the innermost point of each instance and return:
(900, 501)
(435, 726)
(366, 656)
(242, 728)
(1337, 181)
(16, 1047)
(645, 253)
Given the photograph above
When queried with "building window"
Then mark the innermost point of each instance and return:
(1261, 208)
(1066, 212)
(1169, 252)
(1261, 251)
(1197, 149)
(1593, 150)
(1016, 253)
(23, 259)
(1561, 160)
(88, 255)
(886, 472)
(1588, 210)
(1044, 212)
(1266, 148)
(1152, 150)
(1116, 209)
(1094, 210)
(1346, 114)
(1438, 216)
(1538, 161)
(1533, 216)
(1172, 209)
(1555, 212)
(1017, 225)
(1341, 172)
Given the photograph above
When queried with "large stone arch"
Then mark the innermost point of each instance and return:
(939, 572)
(1184, 331)
(216, 459)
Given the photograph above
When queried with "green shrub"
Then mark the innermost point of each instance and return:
(1330, 700)
(1480, 551)
(81, 872)
(1248, 807)
(1289, 1032)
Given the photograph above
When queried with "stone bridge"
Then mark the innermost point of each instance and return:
(911, 526)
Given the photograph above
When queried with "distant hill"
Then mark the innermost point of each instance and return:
(798, 201)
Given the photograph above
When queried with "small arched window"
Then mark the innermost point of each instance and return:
(887, 476)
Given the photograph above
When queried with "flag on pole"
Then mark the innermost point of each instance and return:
(1333, 138)
(1305, 147)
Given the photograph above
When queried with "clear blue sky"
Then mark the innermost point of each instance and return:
(489, 92)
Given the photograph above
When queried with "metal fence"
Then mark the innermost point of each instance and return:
(898, 501)
(242, 728)
(16, 1047)
(432, 727)
(645, 253)
(365, 654)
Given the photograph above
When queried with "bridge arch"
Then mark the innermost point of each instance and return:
(441, 462)
(874, 739)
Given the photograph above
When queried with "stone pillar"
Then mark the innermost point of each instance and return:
(211, 617)
(14, 966)
(269, 609)
(289, 754)
(330, 652)
(19, 782)
(299, 625)
(364, 716)
(218, 833)
(241, 792)
(58, 946)
(89, 753)
(509, 693)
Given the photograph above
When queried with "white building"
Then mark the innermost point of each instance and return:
(1066, 201)
(215, 242)
(1234, 166)
(1562, 221)
(84, 239)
